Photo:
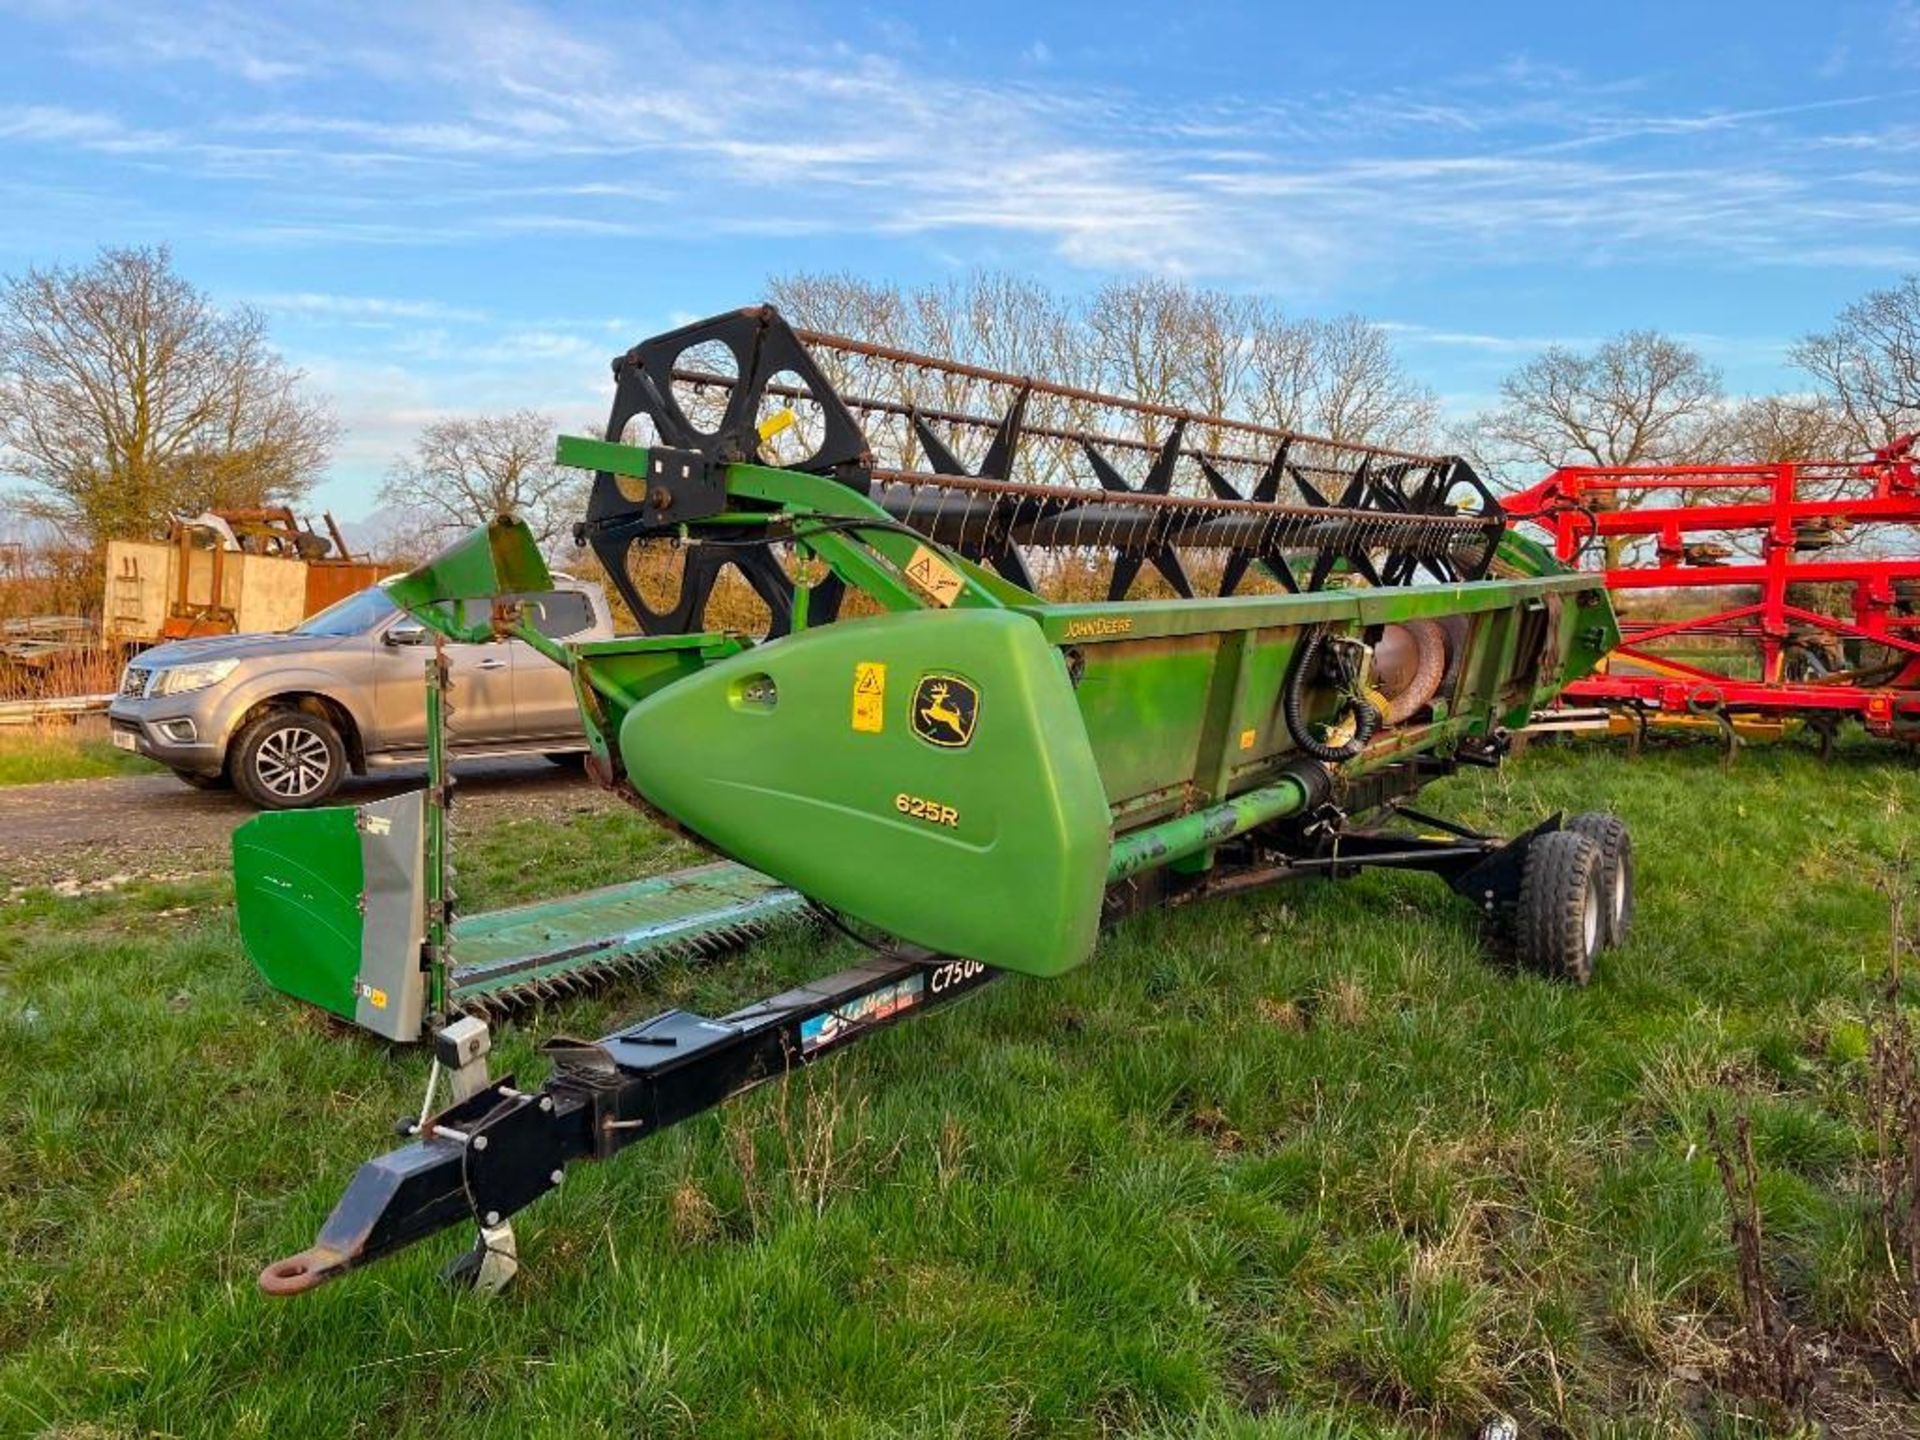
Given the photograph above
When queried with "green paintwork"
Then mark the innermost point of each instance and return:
(661, 915)
(436, 839)
(1176, 701)
(759, 756)
(296, 882)
(1189, 835)
(1167, 740)
(497, 559)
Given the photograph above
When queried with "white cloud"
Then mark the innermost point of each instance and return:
(312, 305)
(55, 124)
(509, 122)
(1411, 333)
(476, 125)
(382, 404)
(1903, 29)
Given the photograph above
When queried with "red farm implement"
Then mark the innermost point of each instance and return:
(1751, 593)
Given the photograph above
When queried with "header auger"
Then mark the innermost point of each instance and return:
(924, 746)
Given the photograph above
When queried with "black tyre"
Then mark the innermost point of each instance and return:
(1609, 832)
(216, 781)
(287, 759)
(1560, 919)
(567, 759)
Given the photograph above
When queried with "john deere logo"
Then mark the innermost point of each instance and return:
(943, 711)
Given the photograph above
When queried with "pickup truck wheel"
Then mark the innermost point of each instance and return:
(287, 759)
(216, 781)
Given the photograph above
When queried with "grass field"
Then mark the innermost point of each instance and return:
(32, 753)
(1299, 1164)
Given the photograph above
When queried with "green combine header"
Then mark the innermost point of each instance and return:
(917, 743)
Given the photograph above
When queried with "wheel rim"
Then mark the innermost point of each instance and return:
(292, 763)
(1619, 892)
(1590, 919)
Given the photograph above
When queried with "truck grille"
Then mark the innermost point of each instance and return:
(134, 682)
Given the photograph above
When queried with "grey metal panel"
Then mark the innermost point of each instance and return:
(391, 996)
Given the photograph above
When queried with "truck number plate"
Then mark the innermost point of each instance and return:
(123, 739)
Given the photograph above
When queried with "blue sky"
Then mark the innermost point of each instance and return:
(466, 206)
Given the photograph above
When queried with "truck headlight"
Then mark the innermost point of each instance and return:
(179, 679)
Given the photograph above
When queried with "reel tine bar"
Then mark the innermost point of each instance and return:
(1051, 479)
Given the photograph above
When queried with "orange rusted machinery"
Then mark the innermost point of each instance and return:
(224, 571)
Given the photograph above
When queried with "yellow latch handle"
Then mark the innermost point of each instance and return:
(775, 423)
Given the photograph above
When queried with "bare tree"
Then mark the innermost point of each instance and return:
(1155, 340)
(1338, 378)
(987, 318)
(1869, 364)
(467, 470)
(1763, 429)
(1224, 327)
(839, 302)
(1143, 343)
(1641, 398)
(126, 396)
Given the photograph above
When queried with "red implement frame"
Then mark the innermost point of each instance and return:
(1769, 527)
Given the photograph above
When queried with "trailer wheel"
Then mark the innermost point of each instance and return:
(1610, 833)
(1560, 919)
(287, 759)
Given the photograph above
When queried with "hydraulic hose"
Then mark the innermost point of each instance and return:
(1366, 719)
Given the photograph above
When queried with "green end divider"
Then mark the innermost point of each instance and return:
(330, 909)
(498, 559)
(297, 882)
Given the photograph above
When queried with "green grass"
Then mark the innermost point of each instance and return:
(30, 754)
(1302, 1164)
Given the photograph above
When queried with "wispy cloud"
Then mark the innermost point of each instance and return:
(314, 305)
(1413, 333)
(1903, 30)
(1291, 192)
(331, 148)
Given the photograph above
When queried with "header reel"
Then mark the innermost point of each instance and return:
(1072, 495)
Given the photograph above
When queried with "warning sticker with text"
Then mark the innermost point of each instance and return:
(869, 697)
(933, 577)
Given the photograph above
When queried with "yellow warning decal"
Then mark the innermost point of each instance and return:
(1247, 737)
(869, 697)
(933, 577)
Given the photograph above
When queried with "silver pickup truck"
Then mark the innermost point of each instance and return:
(285, 718)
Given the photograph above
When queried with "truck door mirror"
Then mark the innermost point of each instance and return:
(405, 632)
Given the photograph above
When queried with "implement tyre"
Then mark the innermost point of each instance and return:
(1610, 833)
(1561, 917)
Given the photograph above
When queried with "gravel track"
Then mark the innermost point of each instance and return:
(78, 833)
